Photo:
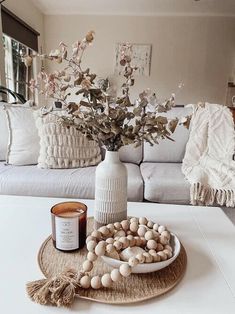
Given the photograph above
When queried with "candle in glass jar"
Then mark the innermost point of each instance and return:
(69, 221)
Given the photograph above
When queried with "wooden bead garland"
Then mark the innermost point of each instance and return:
(119, 239)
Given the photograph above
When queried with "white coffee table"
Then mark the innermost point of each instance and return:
(207, 234)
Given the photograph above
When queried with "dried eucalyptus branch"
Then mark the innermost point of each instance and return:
(112, 123)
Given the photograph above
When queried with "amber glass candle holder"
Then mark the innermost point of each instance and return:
(69, 221)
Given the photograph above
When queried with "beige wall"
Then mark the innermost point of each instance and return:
(195, 50)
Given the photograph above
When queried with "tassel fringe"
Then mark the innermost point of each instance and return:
(204, 195)
(59, 290)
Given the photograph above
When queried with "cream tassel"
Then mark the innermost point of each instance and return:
(59, 290)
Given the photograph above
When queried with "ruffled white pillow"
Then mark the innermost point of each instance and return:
(62, 147)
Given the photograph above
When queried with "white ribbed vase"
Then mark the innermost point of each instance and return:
(110, 190)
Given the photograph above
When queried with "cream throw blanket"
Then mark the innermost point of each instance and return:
(208, 163)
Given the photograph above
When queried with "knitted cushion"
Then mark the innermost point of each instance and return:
(62, 147)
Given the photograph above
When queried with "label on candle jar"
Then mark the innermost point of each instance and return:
(67, 233)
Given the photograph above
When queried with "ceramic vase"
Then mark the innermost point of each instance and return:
(110, 190)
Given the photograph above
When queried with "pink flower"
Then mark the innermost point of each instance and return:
(32, 85)
(86, 84)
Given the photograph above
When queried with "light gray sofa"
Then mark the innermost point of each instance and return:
(154, 174)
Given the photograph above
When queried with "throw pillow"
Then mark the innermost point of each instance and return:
(23, 146)
(62, 147)
(4, 133)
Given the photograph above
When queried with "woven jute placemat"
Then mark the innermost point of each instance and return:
(135, 288)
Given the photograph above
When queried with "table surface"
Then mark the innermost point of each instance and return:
(207, 234)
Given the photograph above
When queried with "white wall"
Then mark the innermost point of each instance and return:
(195, 50)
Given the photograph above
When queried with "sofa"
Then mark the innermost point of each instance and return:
(154, 173)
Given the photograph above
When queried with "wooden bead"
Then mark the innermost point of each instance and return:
(150, 224)
(155, 227)
(134, 219)
(152, 251)
(168, 247)
(117, 245)
(148, 257)
(102, 243)
(90, 238)
(91, 256)
(166, 234)
(141, 231)
(138, 241)
(125, 270)
(85, 282)
(128, 232)
(115, 275)
(159, 247)
(143, 241)
(134, 227)
(143, 221)
(113, 254)
(140, 258)
(156, 235)
(168, 253)
(109, 240)
(162, 255)
(161, 229)
(104, 231)
(110, 227)
(87, 266)
(110, 248)
(149, 235)
(131, 240)
(106, 280)
(152, 244)
(96, 234)
(91, 246)
(156, 257)
(133, 261)
(117, 226)
(96, 282)
(125, 242)
(100, 249)
(120, 233)
(125, 225)
(163, 240)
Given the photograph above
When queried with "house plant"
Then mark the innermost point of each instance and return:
(112, 121)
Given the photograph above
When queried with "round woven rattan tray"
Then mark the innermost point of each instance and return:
(135, 288)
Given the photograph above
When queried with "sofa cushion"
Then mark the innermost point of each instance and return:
(4, 133)
(132, 154)
(23, 145)
(74, 183)
(166, 150)
(164, 183)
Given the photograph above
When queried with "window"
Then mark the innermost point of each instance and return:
(17, 74)
(19, 39)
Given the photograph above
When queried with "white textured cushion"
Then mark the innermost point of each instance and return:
(166, 150)
(4, 133)
(62, 147)
(23, 147)
(74, 183)
(165, 183)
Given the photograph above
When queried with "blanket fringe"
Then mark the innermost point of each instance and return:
(204, 195)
